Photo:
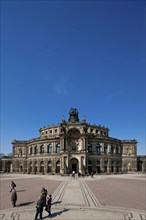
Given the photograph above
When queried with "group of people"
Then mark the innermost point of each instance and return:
(44, 201)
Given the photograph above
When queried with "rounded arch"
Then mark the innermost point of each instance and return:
(73, 132)
(8, 166)
(74, 165)
(58, 166)
(49, 166)
(42, 167)
(35, 167)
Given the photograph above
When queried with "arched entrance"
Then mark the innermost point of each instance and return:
(74, 165)
(9, 166)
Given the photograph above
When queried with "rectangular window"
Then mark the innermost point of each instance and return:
(73, 148)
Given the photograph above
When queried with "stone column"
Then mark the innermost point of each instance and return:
(62, 145)
(80, 164)
(109, 166)
(53, 165)
(102, 165)
(33, 169)
(108, 148)
(102, 148)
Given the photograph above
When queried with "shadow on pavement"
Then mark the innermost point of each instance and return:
(55, 203)
(23, 190)
(57, 213)
(25, 203)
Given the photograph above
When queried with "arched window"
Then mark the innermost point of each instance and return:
(97, 148)
(89, 166)
(58, 166)
(42, 149)
(89, 147)
(35, 167)
(105, 148)
(112, 149)
(117, 149)
(98, 166)
(49, 167)
(41, 167)
(30, 150)
(30, 167)
(49, 149)
(35, 150)
(57, 148)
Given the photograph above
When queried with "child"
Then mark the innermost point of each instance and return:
(49, 203)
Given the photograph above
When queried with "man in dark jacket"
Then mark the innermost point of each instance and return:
(39, 207)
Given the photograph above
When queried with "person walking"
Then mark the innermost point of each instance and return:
(14, 197)
(39, 207)
(49, 203)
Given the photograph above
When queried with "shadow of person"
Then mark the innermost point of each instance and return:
(25, 203)
(55, 203)
(22, 190)
(56, 213)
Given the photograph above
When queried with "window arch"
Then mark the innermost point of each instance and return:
(35, 150)
(57, 148)
(49, 148)
(30, 150)
(112, 149)
(89, 147)
(49, 167)
(98, 166)
(42, 167)
(42, 149)
(105, 148)
(35, 166)
(97, 148)
(58, 166)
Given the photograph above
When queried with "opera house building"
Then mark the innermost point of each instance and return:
(74, 145)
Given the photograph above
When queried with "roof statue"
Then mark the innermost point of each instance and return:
(73, 115)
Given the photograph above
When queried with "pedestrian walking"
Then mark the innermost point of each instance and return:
(49, 203)
(39, 207)
(14, 197)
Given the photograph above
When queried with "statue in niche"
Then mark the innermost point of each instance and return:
(73, 115)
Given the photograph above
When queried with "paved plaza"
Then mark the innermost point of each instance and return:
(115, 197)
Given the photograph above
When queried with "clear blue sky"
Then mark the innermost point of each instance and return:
(61, 54)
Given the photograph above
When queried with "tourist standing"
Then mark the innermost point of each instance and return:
(14, 197)
(39, 207)
(49, 203)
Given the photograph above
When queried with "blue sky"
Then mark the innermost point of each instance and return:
(61, 54)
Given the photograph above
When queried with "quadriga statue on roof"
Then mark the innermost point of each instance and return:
(73, 115)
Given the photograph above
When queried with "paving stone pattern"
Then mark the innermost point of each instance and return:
(73, 199)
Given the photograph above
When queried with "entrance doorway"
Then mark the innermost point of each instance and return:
(74, 165)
